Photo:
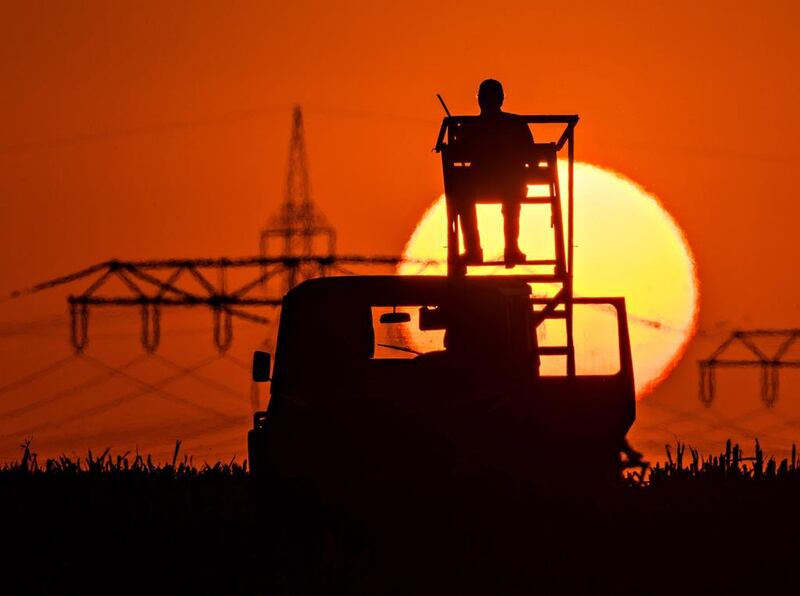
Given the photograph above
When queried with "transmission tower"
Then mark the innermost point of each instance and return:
(298, 243)
(299, 230)
(768, 361)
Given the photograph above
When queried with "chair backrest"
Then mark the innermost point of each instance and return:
(538, 165)
(541, 165)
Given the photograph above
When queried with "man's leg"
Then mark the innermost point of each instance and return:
(469, 229)
(511, 211)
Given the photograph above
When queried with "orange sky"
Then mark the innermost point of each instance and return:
(153, 130)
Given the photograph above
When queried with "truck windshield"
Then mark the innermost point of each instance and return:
(403, 340)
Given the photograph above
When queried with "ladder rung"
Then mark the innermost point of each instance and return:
(524, 201)
(533, 262)
(557, 299)
(532, 278)
(554, 350)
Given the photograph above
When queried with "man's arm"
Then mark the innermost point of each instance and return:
(525, 134)
(518, 136)
(518, 132)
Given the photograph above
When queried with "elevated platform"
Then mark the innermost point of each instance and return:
(468, 180)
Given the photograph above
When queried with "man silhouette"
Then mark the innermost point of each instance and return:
(499, 141)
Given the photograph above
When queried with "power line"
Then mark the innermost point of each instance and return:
(36, 375)
(156, 387)
(731, 425)
(109, 405)
(768, 361)
(68, 392)
(210, 383)
(146, 129)
(179, 429)
(156, 284)
(30, 327)
(158, 128)
(238, 362)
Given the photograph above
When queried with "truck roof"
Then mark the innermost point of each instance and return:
(395, 289)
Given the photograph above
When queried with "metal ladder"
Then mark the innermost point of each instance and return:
(542, 170)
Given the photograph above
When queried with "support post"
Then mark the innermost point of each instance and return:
(570, 251)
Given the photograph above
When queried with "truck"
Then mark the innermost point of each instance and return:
(387, 383)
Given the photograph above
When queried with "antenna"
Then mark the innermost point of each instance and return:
(444, 105)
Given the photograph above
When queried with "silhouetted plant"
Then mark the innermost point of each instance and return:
(105, 463)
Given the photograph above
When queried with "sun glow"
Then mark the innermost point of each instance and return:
(626, 244)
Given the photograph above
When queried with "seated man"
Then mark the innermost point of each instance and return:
(499, 141)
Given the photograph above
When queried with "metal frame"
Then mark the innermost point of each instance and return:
(156, 284)
(564, 295)
(567, 138)
(769, 365)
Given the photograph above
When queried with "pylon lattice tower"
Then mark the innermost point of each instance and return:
(757, 355)
(299, 229)
(297, 244)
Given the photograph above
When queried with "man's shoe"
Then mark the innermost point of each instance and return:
(514, 256)
(472, 257)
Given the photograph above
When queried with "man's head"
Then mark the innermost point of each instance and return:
(490, 96)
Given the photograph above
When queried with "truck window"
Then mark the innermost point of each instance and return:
(402, 339)
(596, 338)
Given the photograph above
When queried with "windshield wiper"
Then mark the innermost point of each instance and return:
(401, 349)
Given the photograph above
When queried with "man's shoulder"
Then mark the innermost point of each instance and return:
(501, 119)
(516, 123)
(510, 119)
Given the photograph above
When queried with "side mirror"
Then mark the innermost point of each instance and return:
(262, 364)
(395, 317)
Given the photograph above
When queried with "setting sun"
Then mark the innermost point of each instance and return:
(626, 244)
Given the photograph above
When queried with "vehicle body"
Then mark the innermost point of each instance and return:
(342, 419)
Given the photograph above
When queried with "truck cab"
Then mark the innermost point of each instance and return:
(384, 380)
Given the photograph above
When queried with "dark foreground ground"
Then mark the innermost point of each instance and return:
(718, 526)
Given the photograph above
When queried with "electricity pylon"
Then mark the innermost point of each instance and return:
(758, 356)
(298, 231)
(298, 243)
